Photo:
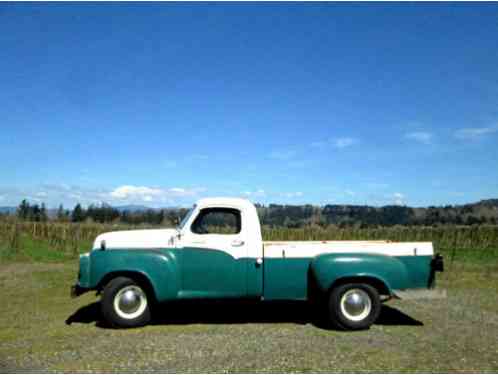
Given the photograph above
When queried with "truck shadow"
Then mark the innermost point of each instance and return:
(236, 312)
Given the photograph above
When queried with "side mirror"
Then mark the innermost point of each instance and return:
(102, 245)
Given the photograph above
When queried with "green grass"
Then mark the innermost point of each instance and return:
(40, 250)
(458, 334)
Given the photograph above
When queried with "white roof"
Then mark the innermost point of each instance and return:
(225, 201)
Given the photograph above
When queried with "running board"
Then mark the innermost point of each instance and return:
(411, 294)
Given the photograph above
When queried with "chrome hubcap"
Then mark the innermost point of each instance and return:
(130, 302)
(356, 304)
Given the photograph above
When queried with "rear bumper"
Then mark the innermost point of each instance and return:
(437, 263)
(419, 293)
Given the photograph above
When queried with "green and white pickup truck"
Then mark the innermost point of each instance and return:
(217, 252)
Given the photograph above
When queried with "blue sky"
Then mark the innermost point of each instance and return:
(160, 104)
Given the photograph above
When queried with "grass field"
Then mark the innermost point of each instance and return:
(43, 330)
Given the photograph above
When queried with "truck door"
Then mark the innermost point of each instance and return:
(214, 255)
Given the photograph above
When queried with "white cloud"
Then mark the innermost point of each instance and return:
(2, 197)
(295, 194)
(178, 190)
(350, 193)
(398, 199)
(128, 191)
(133, 193)
(55, 194)
(475, 133)
(343, 142)
(282, 154)
(257, 193)
(420, 137)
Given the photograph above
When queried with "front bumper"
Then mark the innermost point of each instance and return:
(77, 290)
(83, 277)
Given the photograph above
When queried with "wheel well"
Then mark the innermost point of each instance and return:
(138, 277)
(372, 281)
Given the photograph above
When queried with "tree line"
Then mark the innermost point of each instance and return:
(103, 213)
(287, 216)
(29, 212)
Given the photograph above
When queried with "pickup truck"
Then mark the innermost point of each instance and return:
(217, 252)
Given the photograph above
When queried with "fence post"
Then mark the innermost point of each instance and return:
(14, 238)
(76, 240)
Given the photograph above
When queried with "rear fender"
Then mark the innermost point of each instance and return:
(330, 269)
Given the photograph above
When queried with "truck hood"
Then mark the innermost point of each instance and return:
(137, 239)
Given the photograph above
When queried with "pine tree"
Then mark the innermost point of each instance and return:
(61, 214)
(43, 213)
(23, 210)
(34, 214)
(78, 214)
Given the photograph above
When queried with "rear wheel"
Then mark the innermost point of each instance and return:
(353, 306)
(125, 303)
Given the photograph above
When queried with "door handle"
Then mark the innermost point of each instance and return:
(259, 262)
(237, 243)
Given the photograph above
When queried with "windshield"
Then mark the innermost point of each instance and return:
(186, 217)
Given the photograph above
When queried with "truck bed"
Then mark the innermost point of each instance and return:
(305, 249)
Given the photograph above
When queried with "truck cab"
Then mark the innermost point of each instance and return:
(221, 250)
(217, 251)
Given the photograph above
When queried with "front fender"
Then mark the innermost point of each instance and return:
(329, 268)
(160, 267)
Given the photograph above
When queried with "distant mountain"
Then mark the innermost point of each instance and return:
(486, 202)
(7, 210)
(482, 212)
(134, 208)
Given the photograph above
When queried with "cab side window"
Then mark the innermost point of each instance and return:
(217, 221)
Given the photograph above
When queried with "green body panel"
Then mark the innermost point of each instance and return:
(161, 267)
(395, 272)
(286, 278)
(212, 273)
(418, 269)
(177, 273)
(207, 273)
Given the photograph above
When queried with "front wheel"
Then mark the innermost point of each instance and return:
(353, 306)
(125, 303)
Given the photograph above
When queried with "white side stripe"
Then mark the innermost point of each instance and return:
(304, 249)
